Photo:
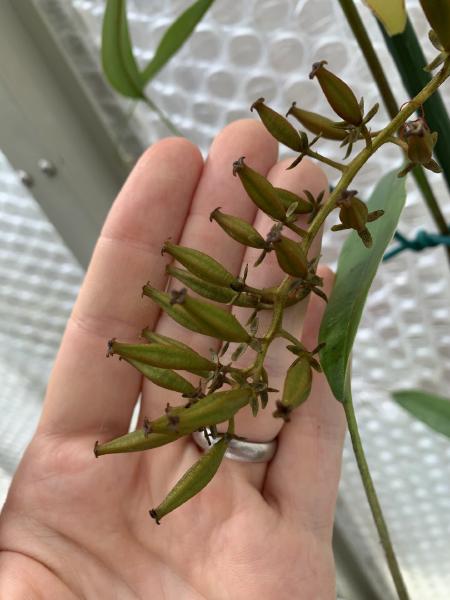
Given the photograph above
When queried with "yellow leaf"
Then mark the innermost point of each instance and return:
(391, 13)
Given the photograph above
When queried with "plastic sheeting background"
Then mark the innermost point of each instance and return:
(243, 50)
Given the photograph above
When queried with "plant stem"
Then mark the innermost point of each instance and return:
(373, 501)
(398, 142)
(355, 165)
(361, 158)
(365, 44)
(362, 37)
(328, 161)
(288, 336)
(164, 118)
(274, 327)
(296, 229)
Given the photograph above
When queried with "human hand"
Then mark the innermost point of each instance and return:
(77, 527)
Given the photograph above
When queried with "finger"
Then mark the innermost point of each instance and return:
(217, 187)
(310, 176)
(86, 391)
(303, 477)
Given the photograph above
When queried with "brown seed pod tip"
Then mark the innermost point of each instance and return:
(178, 296)
(173, 421)
(296, 162)
(319, 347)
(147, 285)
(95, 449)
(238, 165)
(365, 236)
(212, 215)
(293, 105)
(256, 103)
(316, 66)
(110, 349)
(282, 412)
(154, 515)
(147, 426)
(345, 197)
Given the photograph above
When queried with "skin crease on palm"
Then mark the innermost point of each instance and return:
(78, 527)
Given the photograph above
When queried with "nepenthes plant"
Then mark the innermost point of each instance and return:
(217, 388)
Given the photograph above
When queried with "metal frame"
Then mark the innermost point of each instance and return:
(51, 128)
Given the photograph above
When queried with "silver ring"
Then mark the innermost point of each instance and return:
(241, 450)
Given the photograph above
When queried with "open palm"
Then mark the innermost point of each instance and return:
(77, 527)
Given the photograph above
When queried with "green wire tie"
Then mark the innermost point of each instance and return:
(422, 240)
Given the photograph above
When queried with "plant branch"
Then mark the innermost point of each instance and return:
(328, 161)
(288, 336)
(274, 327)
(365, 44)
(296, 229)
(361, 158)
(373, 501)
(164, 118)
(353, 168)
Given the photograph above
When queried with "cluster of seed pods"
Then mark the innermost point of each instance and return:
(223, 389)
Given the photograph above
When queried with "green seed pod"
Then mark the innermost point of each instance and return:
(339, 95)
(317, 123)
(152, 336)
(200, 316)
(220, 323)
(165, 378)
(135, 442)
(176, 311)
(213, 292)
(278, 126)
(193, 481)
(200, 264)
(212, 409)
(438, 15)
(288, 198)
(238, 229)
(162, 356)
(290, 257)
(159, 338)
(297, 387)
(260, 190)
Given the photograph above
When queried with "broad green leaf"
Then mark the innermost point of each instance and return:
(432, 410)
(356, 270)
(118, 60)
(174, 38)
(392, 13)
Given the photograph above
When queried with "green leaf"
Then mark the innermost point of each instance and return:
(356, 270)
(174, 38)
(119, 65)
(432, 410)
